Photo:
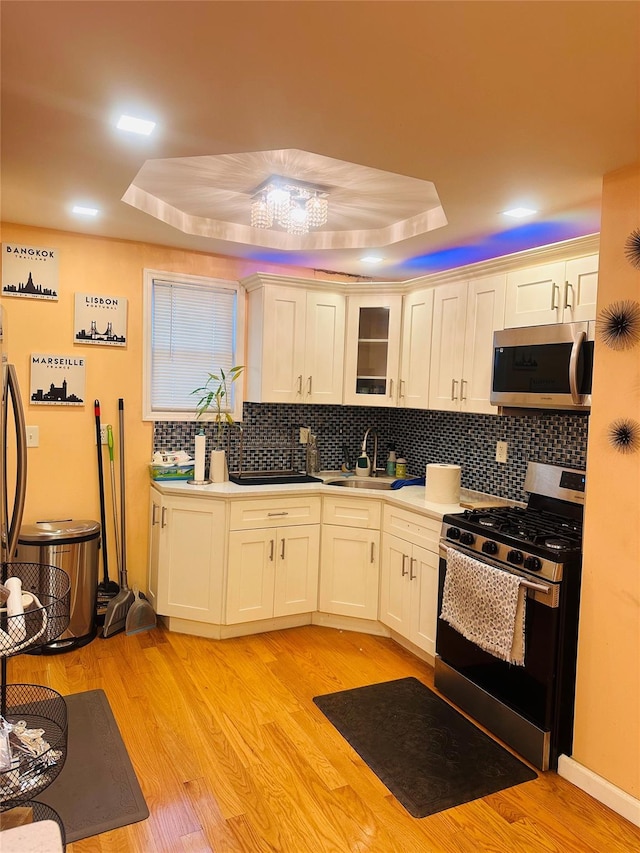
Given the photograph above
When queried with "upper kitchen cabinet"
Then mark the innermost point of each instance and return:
(372, 352)
(465, 316)
(560, 292)
(295, 351)
(415, 350)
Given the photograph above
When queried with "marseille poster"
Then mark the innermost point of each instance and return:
(30, 272)
(100, 319)
(57, 380)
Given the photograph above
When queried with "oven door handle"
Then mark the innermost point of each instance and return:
(534, 587)
(573, 368)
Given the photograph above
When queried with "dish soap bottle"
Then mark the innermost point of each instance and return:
(401, 469)
(391, 461)
(363, 465)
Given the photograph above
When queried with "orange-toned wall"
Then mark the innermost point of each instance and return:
(607, 725)
(62, 471)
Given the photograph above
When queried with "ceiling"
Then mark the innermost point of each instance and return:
(498, 104)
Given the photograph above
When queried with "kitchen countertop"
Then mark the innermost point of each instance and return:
(409, 497)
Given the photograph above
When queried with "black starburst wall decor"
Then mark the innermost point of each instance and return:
(624, 435)
(618, 324)
(632, 248)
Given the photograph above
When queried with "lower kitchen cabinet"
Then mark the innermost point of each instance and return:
(409, 591)
(349, 574)
(186, 557)
(272, 572)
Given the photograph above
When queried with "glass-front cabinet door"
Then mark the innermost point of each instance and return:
(372, 350)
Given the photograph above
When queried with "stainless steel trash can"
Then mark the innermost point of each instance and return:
(72, 546)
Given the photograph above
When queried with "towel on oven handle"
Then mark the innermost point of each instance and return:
(485, 605)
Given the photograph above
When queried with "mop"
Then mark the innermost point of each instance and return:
(118, 608)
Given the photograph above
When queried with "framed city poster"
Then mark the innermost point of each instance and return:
(29, 271)
(100, 320)
(57, 380)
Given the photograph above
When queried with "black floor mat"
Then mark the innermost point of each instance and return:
(97, 789)
(428, 755)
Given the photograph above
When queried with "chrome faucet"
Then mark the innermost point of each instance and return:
(374, 461)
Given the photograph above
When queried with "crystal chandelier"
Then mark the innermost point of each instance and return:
(294, 206)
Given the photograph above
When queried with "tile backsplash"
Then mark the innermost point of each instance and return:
(271, 432)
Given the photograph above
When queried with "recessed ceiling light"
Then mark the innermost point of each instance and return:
(135, 125)
(85, 211)
(372, 259)
(519, 212)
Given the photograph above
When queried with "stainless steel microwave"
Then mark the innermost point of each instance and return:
(543, 367)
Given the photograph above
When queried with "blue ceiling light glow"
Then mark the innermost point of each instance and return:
(519, 239)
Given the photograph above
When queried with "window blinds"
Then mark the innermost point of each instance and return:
(192, 335)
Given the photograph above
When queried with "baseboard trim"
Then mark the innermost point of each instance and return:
(600, 789)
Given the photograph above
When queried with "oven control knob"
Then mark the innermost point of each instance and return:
(534, 564)
(467, 538)
(453, 533)
(515, 557)
(489, 547)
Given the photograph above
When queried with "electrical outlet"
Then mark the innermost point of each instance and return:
(103, 434)
(501, 451)
(304, 435)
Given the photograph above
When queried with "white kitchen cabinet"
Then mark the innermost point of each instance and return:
(372, 350)
(274, 547)
(465, 316)
(186, 557)
(295, 344)
(350, 558)
(272, 572)
(415, 355)
(560, 292)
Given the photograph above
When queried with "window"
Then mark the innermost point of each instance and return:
(193, 327)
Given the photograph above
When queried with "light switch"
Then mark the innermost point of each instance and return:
(33, 436)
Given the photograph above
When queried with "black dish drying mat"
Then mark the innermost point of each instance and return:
(428, 755)
(97, 789)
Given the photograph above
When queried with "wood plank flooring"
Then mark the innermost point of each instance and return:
(233, 756)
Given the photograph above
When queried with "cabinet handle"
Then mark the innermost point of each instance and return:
(454, 382)
(391, 388)
(154, 520)
(271, 551)
(463, 396)
(300, 385)
(164, 517)
(568, 287)
(555, 289)
(412, 577)
(271, 514)
(401, 394)
(282, 551)
(373, 551)
(309, 385)
(404, 561)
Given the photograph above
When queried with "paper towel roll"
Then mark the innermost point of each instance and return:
(198, 471)
(442, 484)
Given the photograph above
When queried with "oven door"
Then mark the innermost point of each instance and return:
(528, 690)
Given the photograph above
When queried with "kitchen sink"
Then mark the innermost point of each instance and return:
(360, 483)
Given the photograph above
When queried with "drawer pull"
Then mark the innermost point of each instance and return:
(373, 551)
(154, 520)
(271, 514)
(282, 551)
(412, 577)
(404, 562)
(164, 517)
(271, 552)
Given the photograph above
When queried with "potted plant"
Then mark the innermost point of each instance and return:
(214, 394)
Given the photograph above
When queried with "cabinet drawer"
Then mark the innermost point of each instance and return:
(412, 527)
(271, 512)
(351, 512)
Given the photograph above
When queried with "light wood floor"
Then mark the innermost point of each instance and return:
(232, 754)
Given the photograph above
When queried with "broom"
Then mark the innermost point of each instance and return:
(116, 616)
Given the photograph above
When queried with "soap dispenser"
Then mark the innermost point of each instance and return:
(363, 465)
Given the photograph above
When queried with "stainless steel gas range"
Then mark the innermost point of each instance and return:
(530, 706)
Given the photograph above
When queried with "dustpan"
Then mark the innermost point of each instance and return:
(141, 615)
